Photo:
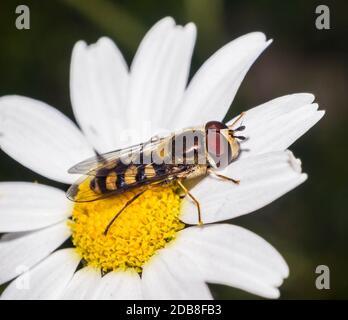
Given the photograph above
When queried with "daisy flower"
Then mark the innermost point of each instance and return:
(154, 250)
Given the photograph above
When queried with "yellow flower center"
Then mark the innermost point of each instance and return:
(145, 226)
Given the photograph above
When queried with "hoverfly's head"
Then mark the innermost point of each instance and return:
(222, 144)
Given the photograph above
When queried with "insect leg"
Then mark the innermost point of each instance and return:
(223, 177)
(200, 222)
(129, 202)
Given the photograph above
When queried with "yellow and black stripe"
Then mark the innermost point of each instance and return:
(124, 177)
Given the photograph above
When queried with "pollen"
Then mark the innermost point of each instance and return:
(145, 226)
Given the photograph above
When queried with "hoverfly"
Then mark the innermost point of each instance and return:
(190, 153)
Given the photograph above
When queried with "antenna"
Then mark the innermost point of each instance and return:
(235, 121)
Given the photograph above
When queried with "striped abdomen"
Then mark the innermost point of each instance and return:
(124, 177)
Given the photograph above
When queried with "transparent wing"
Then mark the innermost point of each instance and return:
(94, 164)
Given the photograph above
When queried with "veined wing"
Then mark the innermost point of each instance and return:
(136, 154)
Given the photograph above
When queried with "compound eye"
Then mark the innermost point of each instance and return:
(217, 125)
(218, 145)
(215, 140)
(215, 143)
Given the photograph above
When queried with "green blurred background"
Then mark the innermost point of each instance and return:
(309, 225)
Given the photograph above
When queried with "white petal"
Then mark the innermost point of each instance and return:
(119, 285)
(159, 75)
(83, 285)
(166, 278)
(276, 124)
(27, 206)
(40, 137)
(233, 256)
(47, 280)
(212, 89)
(98, 87)
(263, 179)
(20, 253)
